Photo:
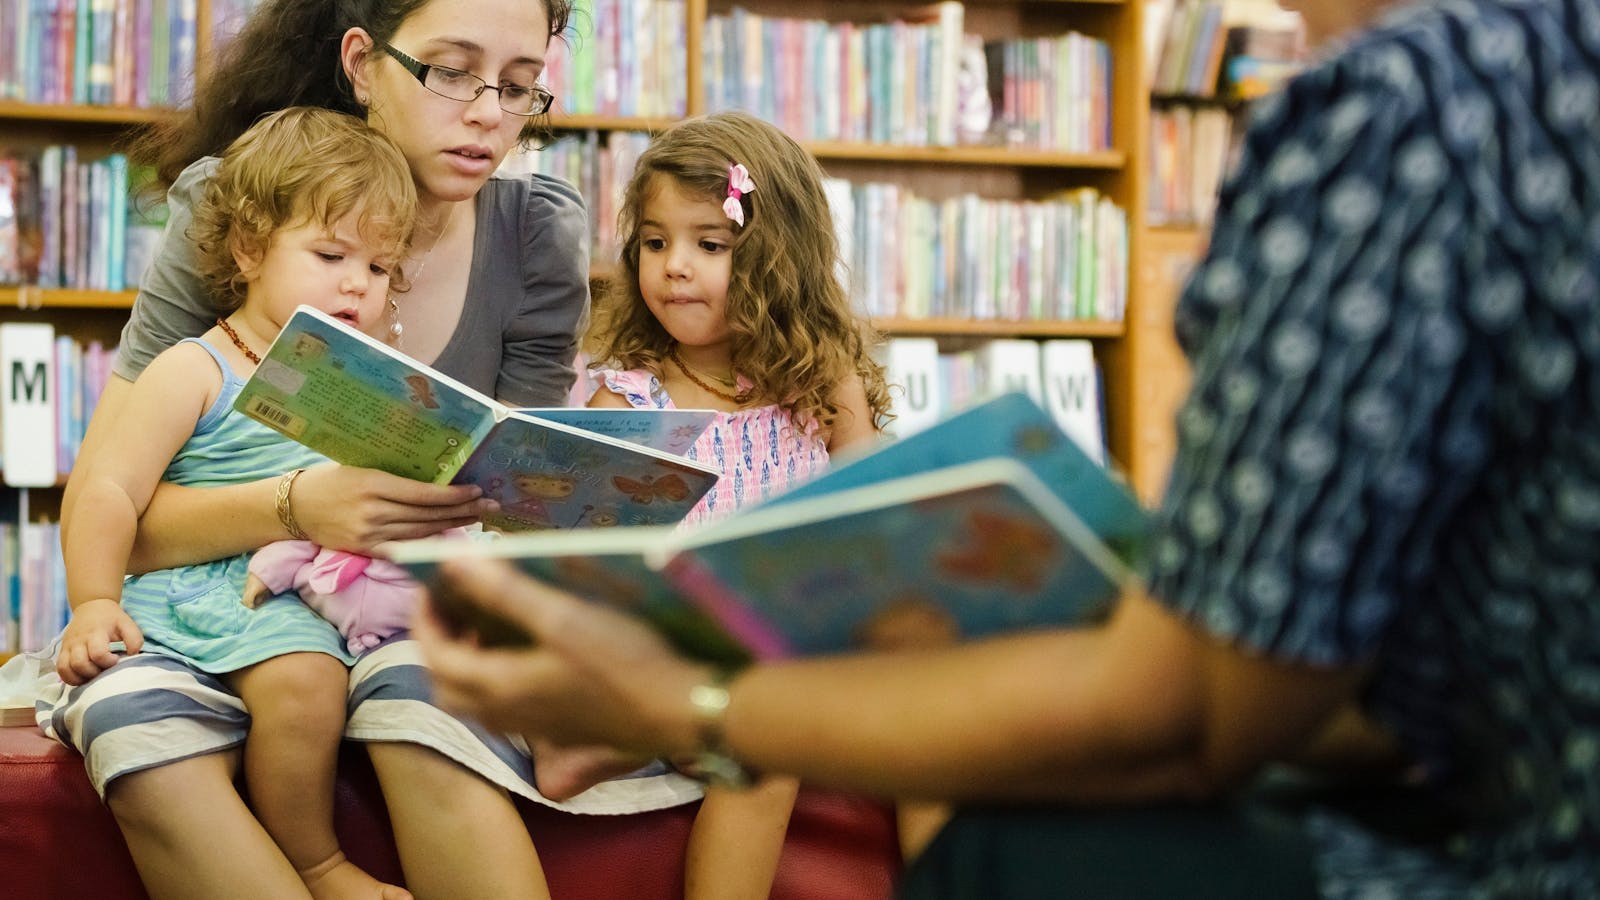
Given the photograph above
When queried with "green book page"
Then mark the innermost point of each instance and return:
(361, 403)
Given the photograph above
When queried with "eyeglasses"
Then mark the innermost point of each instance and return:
(517, 99)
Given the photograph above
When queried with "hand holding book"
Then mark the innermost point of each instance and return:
(362, 403)
(993, 518)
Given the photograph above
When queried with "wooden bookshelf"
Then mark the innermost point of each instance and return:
(999, 172)
(1045, 328)
(1136, 354)
(970, 156)
(36, 298)
(54, 114)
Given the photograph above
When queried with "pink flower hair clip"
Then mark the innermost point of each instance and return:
(739, 184)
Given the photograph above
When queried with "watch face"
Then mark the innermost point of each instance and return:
(716, 769)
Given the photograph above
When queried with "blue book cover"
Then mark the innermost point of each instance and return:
(1011, 426)
(613, 564)
(360, 402)
(984, 545)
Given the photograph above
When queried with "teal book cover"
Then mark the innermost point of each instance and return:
(984, 547)
(1010, 426)
(610, 564)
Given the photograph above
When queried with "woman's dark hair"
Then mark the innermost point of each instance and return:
(287, 54)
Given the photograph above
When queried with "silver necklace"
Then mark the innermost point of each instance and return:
(396, 330)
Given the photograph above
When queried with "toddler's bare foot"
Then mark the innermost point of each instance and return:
(337, 878)
(565, 772)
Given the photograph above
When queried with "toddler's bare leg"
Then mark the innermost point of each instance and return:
(193, 838)
(458, 835)
(297, 710)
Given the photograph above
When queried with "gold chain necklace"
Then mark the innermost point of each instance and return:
(238, 341)
(683, 367)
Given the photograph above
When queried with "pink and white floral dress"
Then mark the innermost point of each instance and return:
(760, 451)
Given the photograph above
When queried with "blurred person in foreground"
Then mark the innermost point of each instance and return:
(1385, 505)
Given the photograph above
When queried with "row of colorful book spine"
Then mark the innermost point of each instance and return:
(1190, 149)
(33, 582)
(70, 222)
(970, 257)
(136, 53)
(912, 257)
(910, 82)
(33, 591)
(621, 58)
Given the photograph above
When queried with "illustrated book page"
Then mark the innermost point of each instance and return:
(362, 403)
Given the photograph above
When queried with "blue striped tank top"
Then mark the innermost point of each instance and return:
(195, 613)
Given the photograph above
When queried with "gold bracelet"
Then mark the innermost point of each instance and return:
(713, 762)
(285, 512)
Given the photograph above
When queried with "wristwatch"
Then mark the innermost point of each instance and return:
(713, 763)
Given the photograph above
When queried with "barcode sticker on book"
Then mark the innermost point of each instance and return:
(264, 410)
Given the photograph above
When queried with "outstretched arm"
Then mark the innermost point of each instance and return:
(1145, 707)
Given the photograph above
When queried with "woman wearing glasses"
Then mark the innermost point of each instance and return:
(499, 275)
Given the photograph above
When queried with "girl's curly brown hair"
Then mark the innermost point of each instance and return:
(301, 165)
(794, 333)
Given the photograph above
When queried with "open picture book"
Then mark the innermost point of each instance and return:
(992, 520)
(360, 402)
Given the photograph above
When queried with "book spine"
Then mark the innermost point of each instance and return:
(696, 581)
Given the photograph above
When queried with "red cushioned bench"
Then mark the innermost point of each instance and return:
(59, 842)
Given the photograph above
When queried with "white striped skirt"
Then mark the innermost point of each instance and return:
(151, 710)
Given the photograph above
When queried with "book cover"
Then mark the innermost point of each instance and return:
(979, 539)
(362, 403)
(614, 564)
(1010, 426)
(985, 545)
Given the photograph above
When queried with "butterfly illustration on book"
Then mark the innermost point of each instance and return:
(646, 488)
(421, 391)
(1001, 550)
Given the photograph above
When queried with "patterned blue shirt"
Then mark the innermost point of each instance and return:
(1391, 456)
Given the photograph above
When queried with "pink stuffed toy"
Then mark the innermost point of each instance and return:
(366, 599)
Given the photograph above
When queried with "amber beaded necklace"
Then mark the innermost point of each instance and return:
(238, 342)
(689, 373)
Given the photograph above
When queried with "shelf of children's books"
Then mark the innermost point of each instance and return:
(560, 121)
(1042, 328)
(33, 297)
(969, 155)
(116, 115)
